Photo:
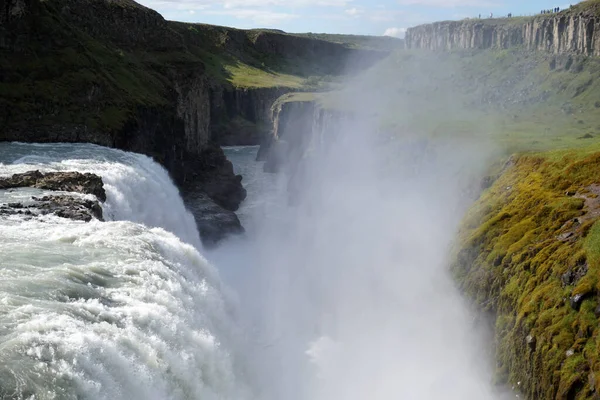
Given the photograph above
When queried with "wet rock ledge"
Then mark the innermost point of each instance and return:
(63, 205)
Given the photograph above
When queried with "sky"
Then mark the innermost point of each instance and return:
(365, 17)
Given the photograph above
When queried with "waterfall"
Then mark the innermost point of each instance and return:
(123, 309)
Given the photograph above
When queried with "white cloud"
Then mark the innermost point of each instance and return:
(353, 12)
(395, 32)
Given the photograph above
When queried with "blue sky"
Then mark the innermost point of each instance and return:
(373, 17)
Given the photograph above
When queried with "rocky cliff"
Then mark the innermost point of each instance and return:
(242, 116)
(301, 125)
(576, 30)
(115, 73)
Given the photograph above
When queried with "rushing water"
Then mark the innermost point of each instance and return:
(124, 309)
(342, 295)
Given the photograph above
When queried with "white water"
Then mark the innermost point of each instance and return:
(137, 189)
(343, 296)
(125, 309)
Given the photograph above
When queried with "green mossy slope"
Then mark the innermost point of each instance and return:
(530, 253)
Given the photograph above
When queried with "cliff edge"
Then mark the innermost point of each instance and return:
(117, 74)
(575, 30)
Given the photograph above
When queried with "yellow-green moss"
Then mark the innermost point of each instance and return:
(243, 75)
(515, 250)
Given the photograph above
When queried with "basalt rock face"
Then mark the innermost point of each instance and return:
(242, 116)
(293, 130)
(560, 33)
(300, 127)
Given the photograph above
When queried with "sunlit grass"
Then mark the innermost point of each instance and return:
(243, 75)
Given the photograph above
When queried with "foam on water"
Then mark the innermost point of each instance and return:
(125, 309)
(137, 188)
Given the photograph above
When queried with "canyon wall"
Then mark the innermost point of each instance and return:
(301, 125)
(241, 116)
(117, 74)
(565, 32)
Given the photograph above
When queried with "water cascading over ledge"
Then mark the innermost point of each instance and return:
(127, 308)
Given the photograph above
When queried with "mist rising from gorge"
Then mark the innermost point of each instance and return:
(342, 280)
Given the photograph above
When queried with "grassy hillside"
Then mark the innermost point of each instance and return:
(93, 63)
(523, 101)
(358, 41)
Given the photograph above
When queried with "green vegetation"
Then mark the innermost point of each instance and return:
(590, 7)
(95, 65)
(358, 41)
(244, 75)
(520, 100)
(230, 57)
(529, 250)
(58, 87)
(299, 97)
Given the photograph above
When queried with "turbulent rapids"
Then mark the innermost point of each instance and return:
(123, 309)
(341, 293)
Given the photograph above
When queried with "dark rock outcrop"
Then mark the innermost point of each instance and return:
(242, 116)
(63, 205)
(214, 222)
(213, 174)
(60, 181)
